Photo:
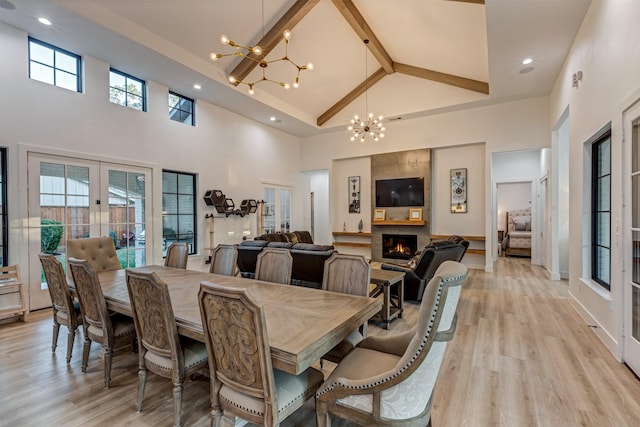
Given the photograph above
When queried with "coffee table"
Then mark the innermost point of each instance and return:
(385, 280)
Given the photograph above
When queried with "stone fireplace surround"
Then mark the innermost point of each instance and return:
(402, 164)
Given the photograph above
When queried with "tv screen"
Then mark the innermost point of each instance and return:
(400, 192)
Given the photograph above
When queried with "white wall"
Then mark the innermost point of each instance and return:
(606, 51)
(227, 151)
(319, 185)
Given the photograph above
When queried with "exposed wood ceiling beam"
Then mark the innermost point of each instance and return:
(351, 96)
(274, 36)
(449, 79)
(362, 29)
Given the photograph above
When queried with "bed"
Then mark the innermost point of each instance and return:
(518, 238)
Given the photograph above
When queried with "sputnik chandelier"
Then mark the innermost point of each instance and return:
(369, 126)
(253, 53)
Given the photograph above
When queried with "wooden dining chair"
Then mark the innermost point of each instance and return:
(389, 380)
(243, 380)
(99, 252)
(177, 255)
(348, 274)
(160, 349)
(111, 330)
(274, 265)
(65, 311)
(224, 260)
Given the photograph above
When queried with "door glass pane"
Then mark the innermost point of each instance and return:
(269, 213)
(285, 211)
(127, 216)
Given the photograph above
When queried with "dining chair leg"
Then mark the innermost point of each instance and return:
(142, 382)
(85, 352)
(70, 339)
(54, 341)
(108, 356)
(177, 403)
(323, 419)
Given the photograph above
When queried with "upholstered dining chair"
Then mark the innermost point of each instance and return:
(65, 311)
(243, 380)
(160, 349)
(349, 274)
(223, 260)
(111, 330)
(99, 252)
(177, 255)
(389, 380)
(274, 265)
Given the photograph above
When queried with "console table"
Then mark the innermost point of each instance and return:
(385, 280)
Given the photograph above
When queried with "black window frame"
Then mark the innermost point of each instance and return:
(126, 76)
(192, 237)
(4, 211)
(56, 49)
(603, 136)
(192, 112)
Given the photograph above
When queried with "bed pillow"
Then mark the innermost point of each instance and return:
(522, 223)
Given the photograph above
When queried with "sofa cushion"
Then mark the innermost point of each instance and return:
(280, 245)
(304, 236)
(311, 247)
(254, 243)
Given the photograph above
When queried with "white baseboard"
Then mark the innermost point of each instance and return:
(607, 339)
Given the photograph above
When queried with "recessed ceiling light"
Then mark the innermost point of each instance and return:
(44, 21)
(273, 119)
(197, 86)
(527, 61)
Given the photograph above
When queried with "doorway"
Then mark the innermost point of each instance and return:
(75, 198)
(511, 196)
(631, 250)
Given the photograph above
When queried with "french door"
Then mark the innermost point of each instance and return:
(276, 211)
(74, 198)
(631, 349)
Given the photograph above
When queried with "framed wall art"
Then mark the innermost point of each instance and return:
(415, 214)
(378, 214)
(459, 190)
(354, 194)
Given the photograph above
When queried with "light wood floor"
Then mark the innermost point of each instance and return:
(521, 357)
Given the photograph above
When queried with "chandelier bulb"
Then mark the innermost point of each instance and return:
(371, 115)
(224, 39)
(362, 139)
(309, 66)
(379, 117)
(232, 79)
(257, 50)
(296, 85)
(251, 91)
(382, 135)
(213, 56)
(286, 85)
(287, 34)
(353, 138)
(350, 128)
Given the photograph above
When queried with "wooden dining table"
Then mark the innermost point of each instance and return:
(303, 324)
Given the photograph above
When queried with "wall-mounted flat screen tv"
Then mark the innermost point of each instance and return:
(399, 192)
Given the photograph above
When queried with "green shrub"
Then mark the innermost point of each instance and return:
(50, 235)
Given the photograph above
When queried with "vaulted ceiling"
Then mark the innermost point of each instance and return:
(423, 56)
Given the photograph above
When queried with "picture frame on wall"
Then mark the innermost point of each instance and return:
(415, 214)
(459, 190)
(378, 214)
(354, 194)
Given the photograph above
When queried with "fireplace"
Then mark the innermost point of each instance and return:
(399, 246)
